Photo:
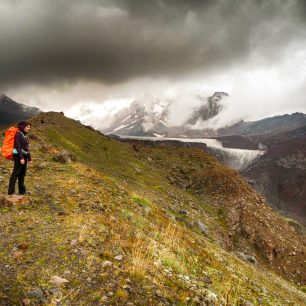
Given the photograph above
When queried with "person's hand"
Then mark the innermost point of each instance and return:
(22, 161)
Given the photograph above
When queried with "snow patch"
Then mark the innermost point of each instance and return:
(128, 117)
(120, 127)
(159, 135)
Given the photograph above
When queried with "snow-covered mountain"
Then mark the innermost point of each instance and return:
(151, 119)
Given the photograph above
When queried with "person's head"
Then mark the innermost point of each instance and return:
(24, 126)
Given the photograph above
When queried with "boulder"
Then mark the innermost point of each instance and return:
(15, 200)
(58, 280)
(64, 157)
(247, 257)
(202, 228)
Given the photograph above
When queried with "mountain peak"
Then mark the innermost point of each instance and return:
(152, 119)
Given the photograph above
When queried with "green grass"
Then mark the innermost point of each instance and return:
(68, 235)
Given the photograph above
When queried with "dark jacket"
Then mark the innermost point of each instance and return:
(21, 144)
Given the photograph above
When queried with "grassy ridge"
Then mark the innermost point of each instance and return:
(118, 201)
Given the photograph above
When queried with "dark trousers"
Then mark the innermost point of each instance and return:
(19, 173)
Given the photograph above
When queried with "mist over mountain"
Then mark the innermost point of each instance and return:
(152, 119)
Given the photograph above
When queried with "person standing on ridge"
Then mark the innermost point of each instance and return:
(21, 157)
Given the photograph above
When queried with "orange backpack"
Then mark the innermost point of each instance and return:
(8, 144)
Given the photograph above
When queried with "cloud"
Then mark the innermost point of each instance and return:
(98, 115)
(61, 55)
(114, 41)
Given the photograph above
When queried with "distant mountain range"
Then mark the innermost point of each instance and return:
(12, 112)
(266, 126)
(144, 120)
(151, 120)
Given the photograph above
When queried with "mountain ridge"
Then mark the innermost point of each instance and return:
(12, 111)
(174, 216)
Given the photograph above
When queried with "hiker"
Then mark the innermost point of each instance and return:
(21, 157)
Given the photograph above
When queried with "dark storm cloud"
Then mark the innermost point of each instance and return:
(112, 41)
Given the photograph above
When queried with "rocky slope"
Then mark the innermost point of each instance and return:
(117, 224)
(266, 126)
(280, 174)
(12, 112)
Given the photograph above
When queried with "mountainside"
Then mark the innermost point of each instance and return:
(151, 119)
(266, 126)
(139, 225)
(12, 112)
(280, 174)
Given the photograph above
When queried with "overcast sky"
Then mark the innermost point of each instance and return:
(61, 55)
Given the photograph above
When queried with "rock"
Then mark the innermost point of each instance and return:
(23, 246)
(146, 210)
(202, 228)
(97, 206)
(107, 263)
(251, 182)
(26, 302)
(183, 212)
(15, 200)
(243, 302)
(118, 257)
(17, 255)
(58, 280)
(206, 279)
(188, 223)
(45, 149)
(138, 171)
(211, 298)
(56, 292)
(196, 300)
(248, 258)
(36, 293)
(40, 166)
(73, 242)
(158, 293)
(64, 157)
(104, 298)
